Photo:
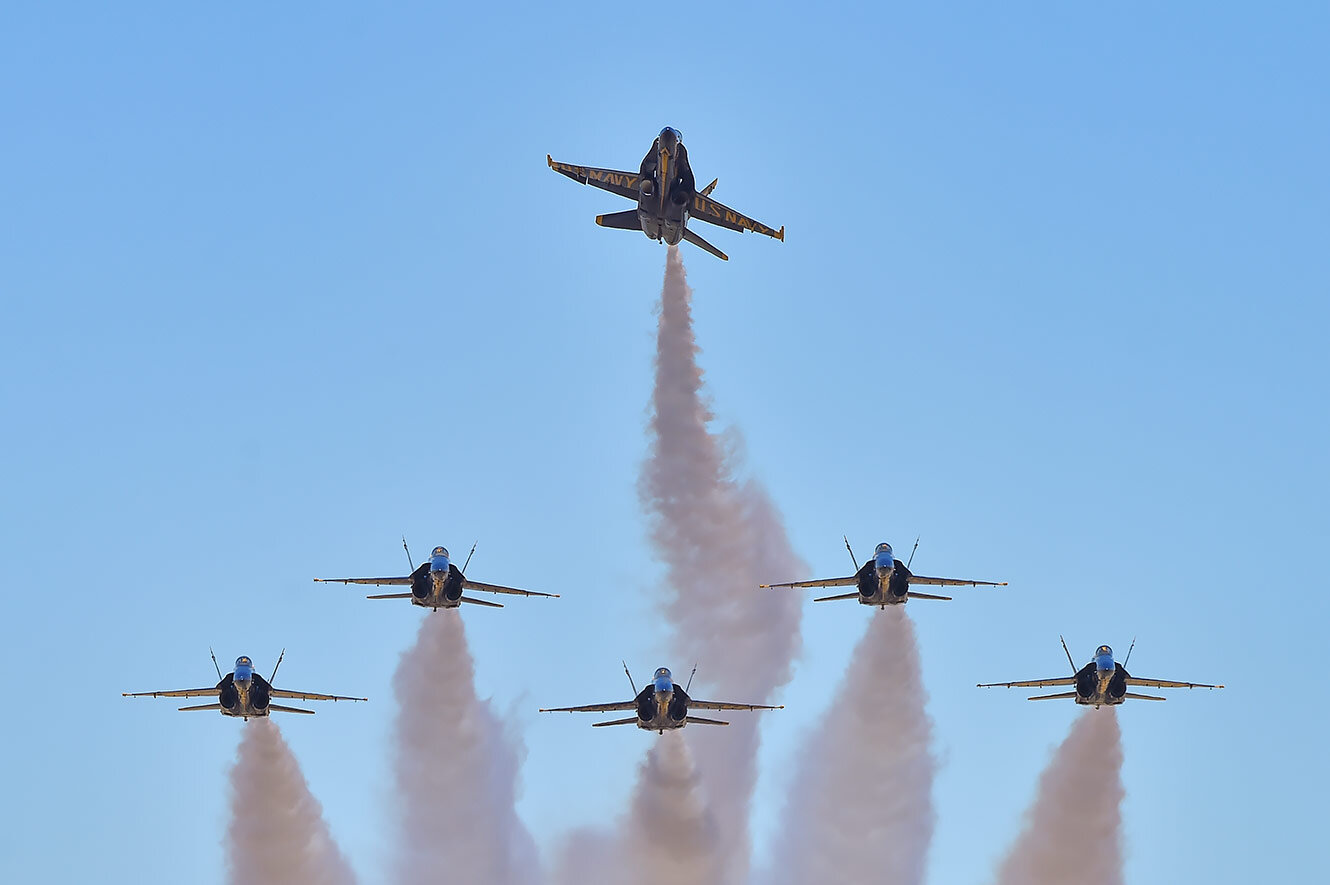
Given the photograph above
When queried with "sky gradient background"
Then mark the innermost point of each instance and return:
(281, 286)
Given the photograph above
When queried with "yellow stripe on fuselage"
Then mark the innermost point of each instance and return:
(664, 167)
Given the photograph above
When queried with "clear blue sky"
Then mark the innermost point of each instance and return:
(282, 284)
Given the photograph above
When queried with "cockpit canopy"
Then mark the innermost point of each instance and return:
(1103, 650)
(243, 661)
(884, 547)
(440, 551)
(663, 672)
(669, 139)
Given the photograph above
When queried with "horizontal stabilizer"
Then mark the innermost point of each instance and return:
(914, 595)
(698, 720)
(1144, 697)
(278, 708)
(480, 602)
(834, 598)
(628, 220)
(1053, 697)
(701, 243)
(390, 596)
(614, 722)
(201, 707)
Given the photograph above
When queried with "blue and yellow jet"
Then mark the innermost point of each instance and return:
(661, 706)
(663, 188)
(243, 692)
(883, 580)
(1102, 681)
(437, 583)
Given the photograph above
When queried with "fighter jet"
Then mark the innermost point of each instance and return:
(1102, 681)
(666, 196)
(437, 583)
(884, 580)
(660, 706)
(243, 692)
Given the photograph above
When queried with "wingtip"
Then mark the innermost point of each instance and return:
(549, 161)
(781, 234)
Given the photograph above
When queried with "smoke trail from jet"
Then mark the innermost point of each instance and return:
(861, 802)
(1073, 831)
(669, 835)
(719, 539)
(456, 770)
(277, 833)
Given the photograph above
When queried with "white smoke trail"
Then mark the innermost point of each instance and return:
(277, 833)
(861, 804)
(669, 835)
(719, 539)
(456, 770)
(1073, 831)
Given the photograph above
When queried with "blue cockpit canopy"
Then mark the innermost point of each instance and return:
(884, 547)
(244, 661)
(440, 551)
(1103, 650)
(663, 671)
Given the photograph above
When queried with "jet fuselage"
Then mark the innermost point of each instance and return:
(437, 583)
(662, 705)
(883, 580)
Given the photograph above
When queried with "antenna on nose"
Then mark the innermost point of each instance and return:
(275, 666)
(1128, 657)
(690, 679)
(630, 677)
(214, 663)
(409, 560)
(851, 552)
(469, 555)
(1069, 660)
(911, 559)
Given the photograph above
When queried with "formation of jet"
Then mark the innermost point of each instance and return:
(883, 580)
(661, 706)
(1102, 681)
(243, 692)
(666, 196)
(437, 583)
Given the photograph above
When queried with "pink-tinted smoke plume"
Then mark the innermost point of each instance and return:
(719, 538)
(277, 833)
(1073, 831)
(860, 809)
(456, 770)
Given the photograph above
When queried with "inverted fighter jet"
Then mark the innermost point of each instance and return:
(883, 580)
(1102, 681)
(666, 196)
(437, 583)
(243, 692)
(660, 706)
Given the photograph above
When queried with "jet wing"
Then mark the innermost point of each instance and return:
(375, 581)
(496, 588)
(1031, 683)
(593, 708)
(622, 183)
(180, 693)
(708, 210)
(954, 582)
(1165, 683)
(823, 582)
(722, 705)
(310, 696)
